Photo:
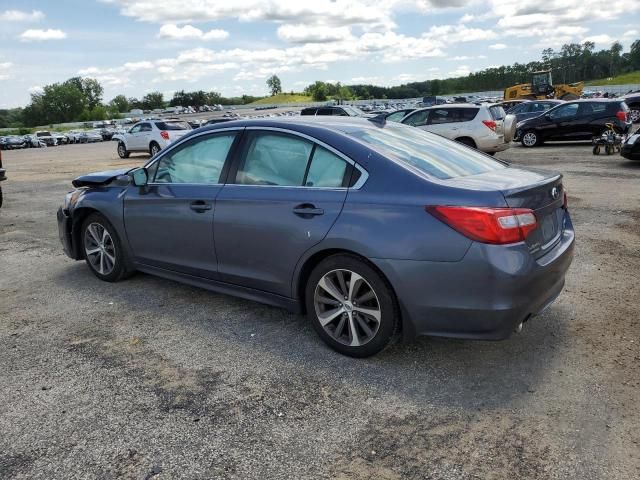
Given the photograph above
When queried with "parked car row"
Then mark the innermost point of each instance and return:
(45, 138)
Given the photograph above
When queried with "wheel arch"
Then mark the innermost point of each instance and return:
(313, 260)
(466, 138)
(79, 216)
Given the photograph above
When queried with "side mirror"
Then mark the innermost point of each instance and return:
(140, 177)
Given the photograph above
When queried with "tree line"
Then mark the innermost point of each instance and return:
(80, 99)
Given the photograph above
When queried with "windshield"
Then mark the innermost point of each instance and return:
(173, 126)
(434, 155)
(353, 111)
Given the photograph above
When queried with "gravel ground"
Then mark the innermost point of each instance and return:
(148, 378)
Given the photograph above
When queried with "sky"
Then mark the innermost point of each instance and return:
(232, 46)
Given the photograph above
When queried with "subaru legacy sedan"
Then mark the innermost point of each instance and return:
(376, 230)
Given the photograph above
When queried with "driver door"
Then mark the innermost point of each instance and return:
(562, 122)
(169, 222)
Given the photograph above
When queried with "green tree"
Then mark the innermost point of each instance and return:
(153, 100)
(274, 84)
(119, 104)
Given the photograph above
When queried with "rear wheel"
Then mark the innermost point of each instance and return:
(122, 150)
(634, 114)
(351, 306)
(102, 249)
(466, 141)
(596, 150)
(154, 148)
(530, 139)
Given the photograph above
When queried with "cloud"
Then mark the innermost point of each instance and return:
(21, 16)
(35, 89)
(461, 71)
(497, 46)
(5, 65)
(312, 34)
(599, 39)
(466, 18)
(189, 32)
(34, 35)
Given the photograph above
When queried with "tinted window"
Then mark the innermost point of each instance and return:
(564, 112)
(396, 116)
(428, 153)
(145, 127)
(325, 111)
(198, 161)
(452, 115)
(326, 170)
(591, 108)
(173, 126)
(274, 159)
(522, 108)
(308, 111)
(417, 119)
(339, 112)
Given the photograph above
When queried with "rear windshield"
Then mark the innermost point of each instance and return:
(497, 112)
(173, 126)
(431, 154)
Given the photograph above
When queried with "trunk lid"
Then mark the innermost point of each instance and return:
(539, 190)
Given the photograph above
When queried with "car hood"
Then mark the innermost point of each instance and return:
(99, 178)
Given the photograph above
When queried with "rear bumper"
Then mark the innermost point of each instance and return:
(491, 143)
(483, 296)
(632, 152)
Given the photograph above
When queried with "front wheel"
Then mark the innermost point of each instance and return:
(530, 139)
(122, 150)
(103, 249)
(351, 306)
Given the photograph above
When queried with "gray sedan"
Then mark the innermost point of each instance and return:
(375, 230)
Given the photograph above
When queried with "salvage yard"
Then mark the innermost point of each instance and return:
(148, 378)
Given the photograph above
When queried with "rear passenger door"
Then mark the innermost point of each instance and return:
(282, 196)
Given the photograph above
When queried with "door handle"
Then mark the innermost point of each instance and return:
(200, 206)
(307, 210)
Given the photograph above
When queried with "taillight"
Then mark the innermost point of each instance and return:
(490, 124)
(164, 135)
(622, 115)
(497, 226)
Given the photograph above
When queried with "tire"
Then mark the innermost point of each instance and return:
(0, 197)
(530, 139)
(122, 150)
(609, 149)
(634, 114)
(596, 150)
(103, 253)
(154, 148)
(375, 329)
(466, 141)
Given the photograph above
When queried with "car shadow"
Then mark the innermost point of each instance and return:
(454, 373)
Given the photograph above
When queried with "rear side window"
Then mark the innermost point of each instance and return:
(428, 153)
(173, 126)
(452, 115)
(497, 112)
(326, 169)
(274, 159)
(198, 161)
(564, 112)
(325, 111)
(308, 111)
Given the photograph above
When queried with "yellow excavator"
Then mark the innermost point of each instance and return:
(542, 87)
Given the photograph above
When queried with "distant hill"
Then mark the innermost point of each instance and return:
(282, 98)
(627, 78)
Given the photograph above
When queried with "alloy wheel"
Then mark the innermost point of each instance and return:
(99, 248)
(154, 150)
(635, 115)
(121, 150)
(529, 139)
(347, 307)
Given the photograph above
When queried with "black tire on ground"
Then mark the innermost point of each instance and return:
(0, 196)
(530, 139)
(122, 150)
(91, 237)
(609, 149)
(154, 148)
(384, 298)
(466, 141)
(596, 150)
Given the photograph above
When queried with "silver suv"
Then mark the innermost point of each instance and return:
(482, 126)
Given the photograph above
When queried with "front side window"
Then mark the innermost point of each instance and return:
(198, 161)
(564, 112)
(274, 159)
(145, 127)
(135, 129)
(417, 119)
(440, 116)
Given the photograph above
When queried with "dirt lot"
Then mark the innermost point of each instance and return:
(149, 378)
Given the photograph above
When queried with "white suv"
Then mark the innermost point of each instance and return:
(481, 126)
(150, 136)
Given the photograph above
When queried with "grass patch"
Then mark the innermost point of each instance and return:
(282, 98)
(631, 77)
